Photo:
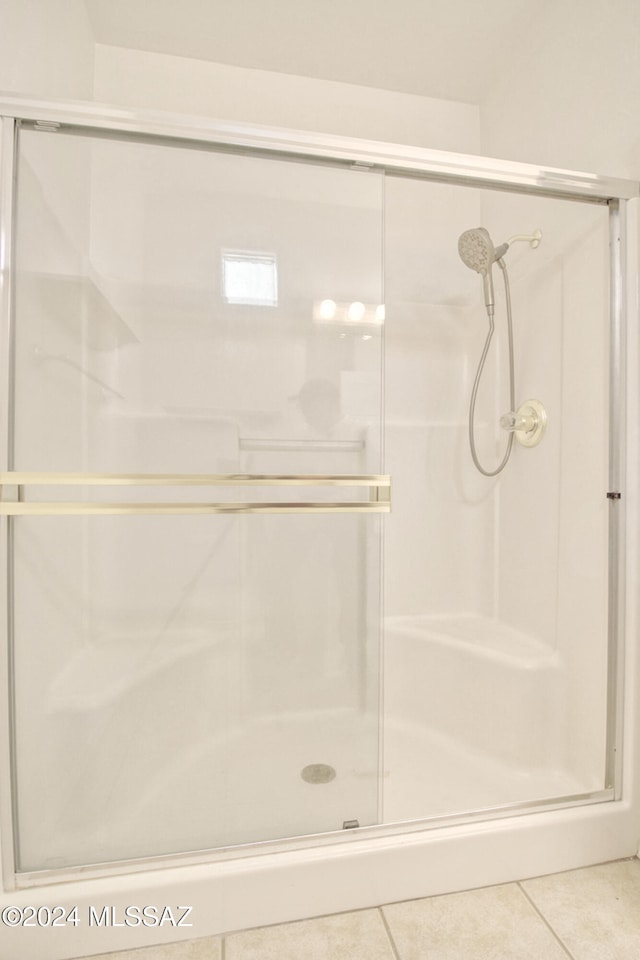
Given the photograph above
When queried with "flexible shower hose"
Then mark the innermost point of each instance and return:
(512, 390)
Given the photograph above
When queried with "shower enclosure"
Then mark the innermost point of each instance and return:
(258, 602)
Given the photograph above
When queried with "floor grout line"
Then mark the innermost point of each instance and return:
(545, 921)
(385, 923)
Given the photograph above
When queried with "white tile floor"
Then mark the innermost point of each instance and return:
(588, 914)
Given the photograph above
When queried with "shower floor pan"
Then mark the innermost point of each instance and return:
(256, 785)
(471, 721)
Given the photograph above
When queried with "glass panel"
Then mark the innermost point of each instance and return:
(189, 682)
(495, 589)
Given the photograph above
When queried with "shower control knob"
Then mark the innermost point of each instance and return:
(528, 423)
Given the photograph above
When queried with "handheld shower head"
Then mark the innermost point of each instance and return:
(477, 251)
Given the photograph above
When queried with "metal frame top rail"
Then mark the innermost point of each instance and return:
(397, 159)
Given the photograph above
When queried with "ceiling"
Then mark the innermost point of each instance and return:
(449, 49)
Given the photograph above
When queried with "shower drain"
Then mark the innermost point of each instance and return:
(318, 773)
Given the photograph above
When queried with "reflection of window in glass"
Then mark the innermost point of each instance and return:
(250, 278)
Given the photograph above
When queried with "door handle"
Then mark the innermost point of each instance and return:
(15, 484)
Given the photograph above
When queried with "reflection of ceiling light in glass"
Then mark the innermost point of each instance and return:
(356, 311)
(327, 310)
(250, 278)
(348, 314)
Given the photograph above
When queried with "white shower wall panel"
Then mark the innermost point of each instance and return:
(553, 514)
(527, 593)
(584, 509)
(438, 544)
(501, 600)
(191, 351)
(439, 541)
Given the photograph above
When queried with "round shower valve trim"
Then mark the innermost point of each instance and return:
(528, 423)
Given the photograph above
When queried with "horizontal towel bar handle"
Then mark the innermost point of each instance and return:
(21, 478)
(14, 504)
(62, 508)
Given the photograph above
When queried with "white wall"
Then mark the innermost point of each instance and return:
(159, 81)
(570, 90)
(46, 49)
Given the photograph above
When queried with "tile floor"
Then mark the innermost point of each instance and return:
(588, 914)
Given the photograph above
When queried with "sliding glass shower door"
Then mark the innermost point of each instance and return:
(193, 494)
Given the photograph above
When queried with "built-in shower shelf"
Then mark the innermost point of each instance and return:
(480, 683)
